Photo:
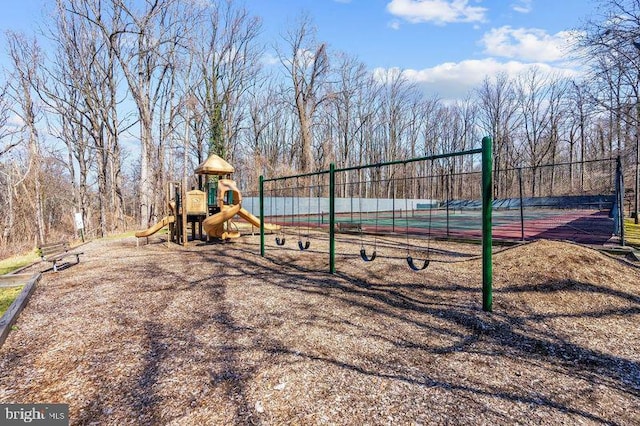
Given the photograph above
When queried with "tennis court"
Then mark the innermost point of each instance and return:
(586, 226)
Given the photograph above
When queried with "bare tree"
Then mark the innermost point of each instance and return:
(73, 87)
(580, 111)
(143, 40)
(228, 59)
(265, 109)
(499, 119)
(610, 43)
(345, 105)
(25, 59)
(539, 97)
(7, 131)
(307, 65)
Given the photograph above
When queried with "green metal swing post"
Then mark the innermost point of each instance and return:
(261, 181)
(332, 218)
(487, 217)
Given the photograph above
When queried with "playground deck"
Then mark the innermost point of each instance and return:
(214, 334)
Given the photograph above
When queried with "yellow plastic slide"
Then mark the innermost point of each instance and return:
(255, 221)
(155, 228)
(214, 225)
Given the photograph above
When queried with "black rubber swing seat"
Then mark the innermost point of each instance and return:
(363, 255)
(280, 241)
(413, 265)
(305, 245)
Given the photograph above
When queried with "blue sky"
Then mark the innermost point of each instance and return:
(386, 33)
(447, 46)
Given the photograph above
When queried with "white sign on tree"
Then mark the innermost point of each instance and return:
(79, 222)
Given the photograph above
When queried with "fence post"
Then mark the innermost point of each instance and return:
(261, 195)
(351, 207)
(620, 200)
(332, 218)
(520, 190)
(447, 196)
(487, 237)
(393, 205)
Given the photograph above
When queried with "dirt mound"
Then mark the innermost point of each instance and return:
(563, 279)
(543, 261)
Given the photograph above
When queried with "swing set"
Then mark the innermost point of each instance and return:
(410, 260)
(304, 242)
(414, 264)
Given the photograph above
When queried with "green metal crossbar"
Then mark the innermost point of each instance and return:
(332, 168)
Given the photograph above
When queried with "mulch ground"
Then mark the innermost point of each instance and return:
(215, 334)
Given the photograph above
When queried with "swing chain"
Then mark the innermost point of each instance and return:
(280, 237)
(410, 260)
(363, 250)
(307, 243)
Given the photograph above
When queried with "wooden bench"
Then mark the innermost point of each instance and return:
(55, 252)
(349, 227)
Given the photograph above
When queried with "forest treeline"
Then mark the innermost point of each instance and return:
(112, 99)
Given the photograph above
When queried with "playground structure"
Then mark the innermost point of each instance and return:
(210, 214)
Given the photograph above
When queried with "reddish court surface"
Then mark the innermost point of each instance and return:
(581, 226)
(592, 227)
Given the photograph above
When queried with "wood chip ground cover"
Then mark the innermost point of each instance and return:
(214, 334)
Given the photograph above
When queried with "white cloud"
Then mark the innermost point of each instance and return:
(440, 12)
(269, 59)
(529, 44)
(394, 25)
(454, 80)
(522, 6)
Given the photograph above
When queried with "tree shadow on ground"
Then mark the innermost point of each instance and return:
(456, 328)
(511, 335)
(596, 228)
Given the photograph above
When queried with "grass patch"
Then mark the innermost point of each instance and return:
(16, 262)
(7, 296)
(631, 232)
